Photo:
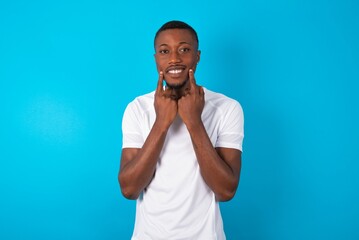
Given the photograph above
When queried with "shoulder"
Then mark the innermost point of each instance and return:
(221, 101)
(142, 103)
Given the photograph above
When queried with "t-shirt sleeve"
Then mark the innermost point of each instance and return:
(231, 132)
(131, 127)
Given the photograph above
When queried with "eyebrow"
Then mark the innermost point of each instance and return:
(185, 43)
(165, 44)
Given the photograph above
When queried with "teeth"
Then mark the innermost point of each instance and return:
(175, 71)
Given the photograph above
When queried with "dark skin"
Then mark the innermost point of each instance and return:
(176, 58)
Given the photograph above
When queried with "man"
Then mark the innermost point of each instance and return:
(182, 147)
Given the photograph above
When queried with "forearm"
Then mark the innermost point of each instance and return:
(218, 175)
(136, 174)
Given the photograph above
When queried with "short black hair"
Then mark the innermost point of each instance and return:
(175, 24)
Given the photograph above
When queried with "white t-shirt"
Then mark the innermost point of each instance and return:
(177, 204)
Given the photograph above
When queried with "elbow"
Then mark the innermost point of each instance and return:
(126, 189)
(225, 196)
(131, 195)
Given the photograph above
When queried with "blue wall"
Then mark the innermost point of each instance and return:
(68, 69)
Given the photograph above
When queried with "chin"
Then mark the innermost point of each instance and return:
(177, 85)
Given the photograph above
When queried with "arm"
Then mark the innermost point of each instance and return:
(138, 165)
(220, 167)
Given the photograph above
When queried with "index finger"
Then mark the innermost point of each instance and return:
(192, 80)
(160, 83)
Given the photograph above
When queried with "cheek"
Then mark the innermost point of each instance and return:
(194, 65)
(159, 66)
(160, 63)
(193, 60)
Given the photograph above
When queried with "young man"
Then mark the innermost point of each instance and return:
(182, 147)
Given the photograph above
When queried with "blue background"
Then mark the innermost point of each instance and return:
(69, 68)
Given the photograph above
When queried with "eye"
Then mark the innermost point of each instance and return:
(163, 51)
(183, 50)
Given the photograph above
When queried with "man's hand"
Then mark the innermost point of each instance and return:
(190, 106)
(165, 107)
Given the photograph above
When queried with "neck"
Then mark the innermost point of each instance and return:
(178, 91)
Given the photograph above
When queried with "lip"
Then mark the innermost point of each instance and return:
(175, 69)
(175, 72)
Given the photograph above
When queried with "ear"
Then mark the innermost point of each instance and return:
(198, 55)
(157, 66)
(155, 57)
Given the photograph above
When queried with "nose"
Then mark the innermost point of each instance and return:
(175, 57)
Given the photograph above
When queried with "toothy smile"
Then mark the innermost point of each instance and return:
(175, 71)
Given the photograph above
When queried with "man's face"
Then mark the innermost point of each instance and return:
(176, 53)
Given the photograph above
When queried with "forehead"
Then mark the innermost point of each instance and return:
(175, 36)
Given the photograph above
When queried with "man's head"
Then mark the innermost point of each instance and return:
(177, 25)
(176, 51)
